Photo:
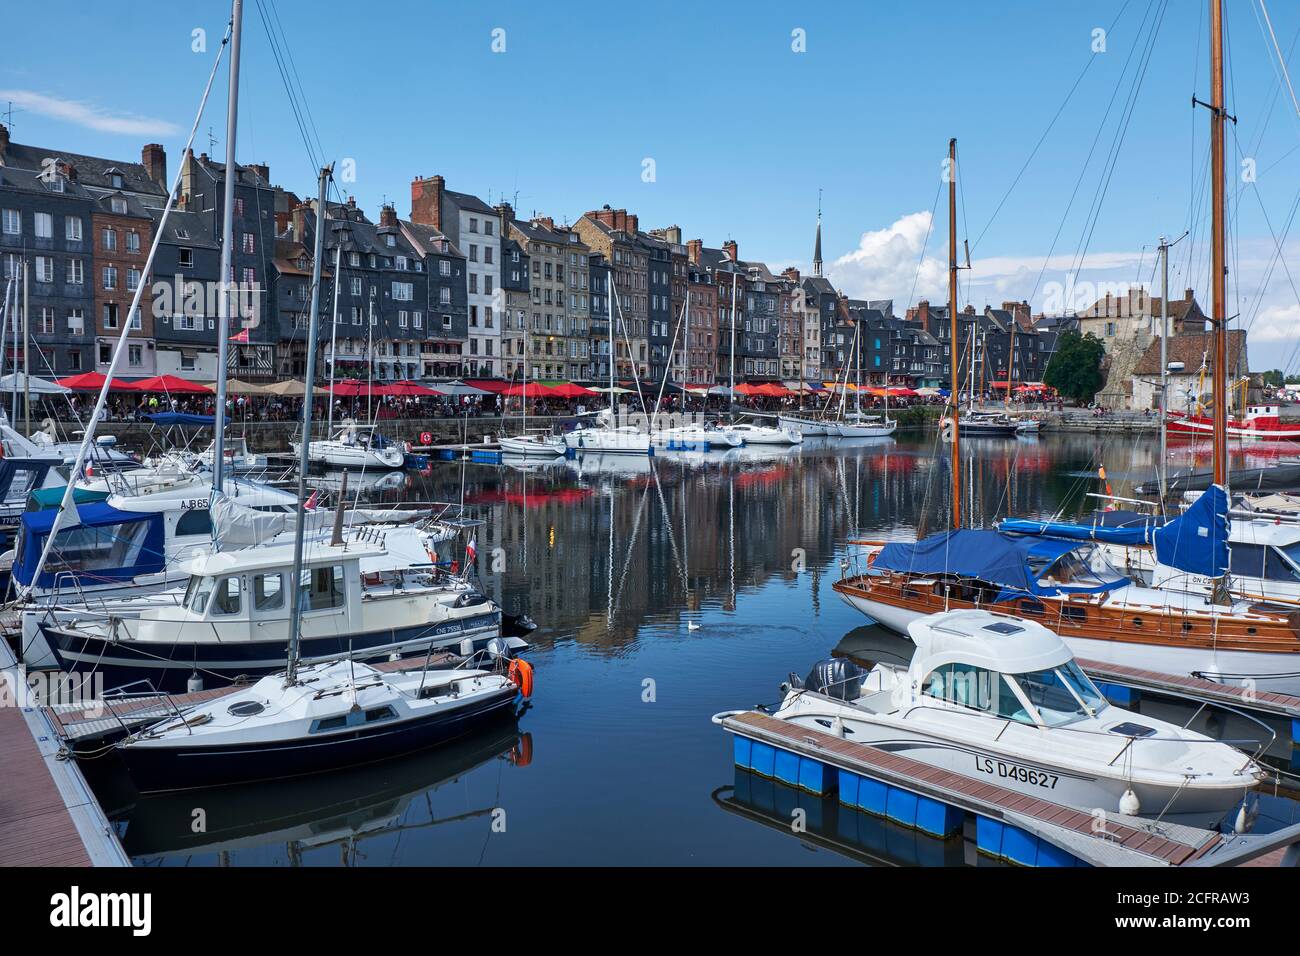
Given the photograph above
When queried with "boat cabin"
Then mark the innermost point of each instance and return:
(101, 544)
(999, 665)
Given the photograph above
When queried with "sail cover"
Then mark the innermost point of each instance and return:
(1113, 527)
(1019, 565)
(1197, 540)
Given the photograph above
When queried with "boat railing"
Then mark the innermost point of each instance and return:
(146, 693)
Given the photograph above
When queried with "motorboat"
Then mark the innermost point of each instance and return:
(988, 425)
(355, 446)
(1001, 699)
(533, 445)
(239, 457)
(232, 619)
(317, 718)
(1027, 426)
(766, 435)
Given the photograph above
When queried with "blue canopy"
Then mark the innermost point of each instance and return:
(182, 418)
(1197, 540)
(1016, 564)
(104, 545)
(1113, 527)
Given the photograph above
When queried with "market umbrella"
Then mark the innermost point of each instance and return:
(348, 388)
(773, 390)
(613, 389)
(16, 381)
(460, 389)
(569, 390)
(169, 383)
(235, 387)
(529, 390)
(492, 385)
(90, 382)
(291, 388)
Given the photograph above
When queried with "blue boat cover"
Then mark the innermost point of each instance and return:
(105, 545)
(1015, 563)
(1113, 527)
(1197, 540)
(182, 418)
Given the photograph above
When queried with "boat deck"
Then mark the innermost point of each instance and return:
(1241, 697)
(1110, 843)
(82, 724)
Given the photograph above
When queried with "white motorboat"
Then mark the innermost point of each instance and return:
(360, 598)
(355, 446)
(238, 456)
(533, 446)
(767, 435)
(323, 717)
(1001, 699)
(805, 426)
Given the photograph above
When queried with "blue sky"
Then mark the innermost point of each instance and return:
(743, 130)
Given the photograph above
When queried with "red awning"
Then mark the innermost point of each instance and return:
(410, 388)
(569, 390)
(529, 390)
(493, 385)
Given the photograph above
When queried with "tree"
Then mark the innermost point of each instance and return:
(1274, 378)
(1075, 369)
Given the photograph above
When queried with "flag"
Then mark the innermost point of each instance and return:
(310, 505)
(240, 337)
(471, 550)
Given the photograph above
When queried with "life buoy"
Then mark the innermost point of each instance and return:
(522, 754)
(521, 674)
(426, 438)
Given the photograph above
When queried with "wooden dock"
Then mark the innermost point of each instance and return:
(1232, 695)
(1068, 833)
(48, 814)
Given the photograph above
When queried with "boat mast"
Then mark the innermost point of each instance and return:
(227, 253)
(1163, 471)
(1218, 269)
(295, 618)
(952, 317)
(334, 335)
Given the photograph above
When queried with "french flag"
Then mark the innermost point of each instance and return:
(310, 503)
(471, 550)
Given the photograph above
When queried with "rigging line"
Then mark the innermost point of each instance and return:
(1065, 215)
(1277, 90)
(920, 262)
(294, 67)
(1041, 139)
(1121, 132)
(1281, 62)
(288, 87)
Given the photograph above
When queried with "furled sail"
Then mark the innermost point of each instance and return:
(1197, 540)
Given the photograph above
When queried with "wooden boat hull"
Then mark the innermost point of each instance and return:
(1172, 643)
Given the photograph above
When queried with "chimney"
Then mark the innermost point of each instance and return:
(4, 140)
(732, 250)
(693, 249)
(262, 170)
(671, 234)
(791, 273)
(154, 159)
(923, 312)
(426, 201)
(632, 226)
(299, 221)
(1187, 296)
(387, 214)
(546, 221)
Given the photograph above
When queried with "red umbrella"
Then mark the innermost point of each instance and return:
(350, 388)
(744, 388)
(569, 390)
(494, 385)
(773, 390)
(169, 383)
(531, 390)
(90, 382)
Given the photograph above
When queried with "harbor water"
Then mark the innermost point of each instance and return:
(665, 589)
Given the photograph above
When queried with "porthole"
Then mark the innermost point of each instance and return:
(245, 708)
(1137, 622)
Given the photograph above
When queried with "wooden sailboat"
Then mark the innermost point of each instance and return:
(1066, 584)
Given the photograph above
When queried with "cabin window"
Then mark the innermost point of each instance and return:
(195, 521)
(109, 547)
(1060, 695)
(1262, 561)
(380, 713)
(227, 599)
(268, 591)
(20, 486)
(196, 596)
(322, 588)
(976, 688)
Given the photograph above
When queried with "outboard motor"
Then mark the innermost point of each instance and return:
(836, 677)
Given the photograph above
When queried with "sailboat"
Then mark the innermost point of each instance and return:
(607, 436)
(530, 446)
(855, 424)
(321, 716)
(1067, 585)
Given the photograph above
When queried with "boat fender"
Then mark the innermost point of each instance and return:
(1129, 805)
(194, 684)
(521, 674)
(1247, 814)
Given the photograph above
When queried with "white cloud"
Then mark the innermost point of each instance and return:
(886, 263)
(87, 114)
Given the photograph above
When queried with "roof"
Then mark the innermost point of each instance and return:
(93, 171)
(996, 642)
(428, 239)
(281, 555)
(467, 202)
(1191, 348)
(184, 227)
(134, 207)
(25, 180)
(245, 175)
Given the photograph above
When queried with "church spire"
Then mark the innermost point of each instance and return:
(817, 249)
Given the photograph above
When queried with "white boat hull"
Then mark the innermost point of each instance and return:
(806, 427)
(856, 430)
(610, 441)
(531, 447)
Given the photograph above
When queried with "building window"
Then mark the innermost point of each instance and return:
(44, 225)
(110, 316)
(76, 322)
(132, 279)
(185, 257)
(133, 241)
(76, 273)
(11, 220)
(110, 277)
(446, 321)
(239, 207)
(403, 291)
(249, 246)
(135, 355)
(402, 317)
(109, 239)
(118, 205)
(417, 320)
(72, 229)
(44, 269)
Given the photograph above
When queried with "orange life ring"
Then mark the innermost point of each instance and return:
(521, 673)
(522, 754)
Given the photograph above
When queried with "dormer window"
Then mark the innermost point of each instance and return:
(119, 205)
(115, 178)
(390, 241)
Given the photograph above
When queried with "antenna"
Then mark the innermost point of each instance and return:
(9, 115)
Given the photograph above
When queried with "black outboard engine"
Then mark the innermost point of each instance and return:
(836, 677)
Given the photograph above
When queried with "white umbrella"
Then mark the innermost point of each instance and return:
(615, 389)
(35, 386)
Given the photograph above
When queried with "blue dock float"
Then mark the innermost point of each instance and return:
(1009, 825)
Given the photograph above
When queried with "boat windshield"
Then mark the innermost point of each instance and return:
(1083, 567)
(1292, 552)
(1061, 695)
(196, 595)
